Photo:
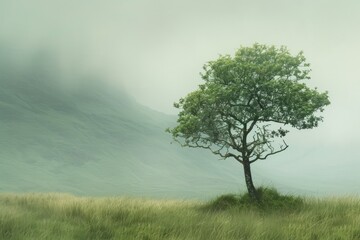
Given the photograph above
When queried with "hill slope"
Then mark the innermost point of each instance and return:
(91, 139)
(62, 132)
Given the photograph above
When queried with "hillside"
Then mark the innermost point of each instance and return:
(90, 138)
(69, 131)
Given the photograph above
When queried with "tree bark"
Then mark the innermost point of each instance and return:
(249, 183)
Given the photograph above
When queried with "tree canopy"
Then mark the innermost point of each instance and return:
(246, 100)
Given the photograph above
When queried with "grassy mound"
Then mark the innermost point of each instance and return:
(270, 199)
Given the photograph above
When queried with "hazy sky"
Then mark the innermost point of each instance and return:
(156, 49)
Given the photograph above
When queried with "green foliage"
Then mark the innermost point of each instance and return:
(231, 112)
(59, 216)
(270, 199)
(245, 101)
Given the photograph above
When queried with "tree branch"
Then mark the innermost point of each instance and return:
(252, 125)
(225, 155)
(271, 120)
(282, 148)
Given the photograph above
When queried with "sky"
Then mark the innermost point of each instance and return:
(155, 49)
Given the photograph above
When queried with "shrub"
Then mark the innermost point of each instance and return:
(224, 202)
(270, 199)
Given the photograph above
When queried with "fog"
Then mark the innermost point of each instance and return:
(156, 49)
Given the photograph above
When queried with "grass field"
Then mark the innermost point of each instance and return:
(61, 216)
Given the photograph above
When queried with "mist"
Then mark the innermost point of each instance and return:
(154, 50)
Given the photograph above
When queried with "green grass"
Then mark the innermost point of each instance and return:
(61, 216)
(270, 200)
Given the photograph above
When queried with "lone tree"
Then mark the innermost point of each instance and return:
(245, 101)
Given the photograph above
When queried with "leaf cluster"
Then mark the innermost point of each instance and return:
(245, 99)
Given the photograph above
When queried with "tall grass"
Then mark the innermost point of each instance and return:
(60, 216)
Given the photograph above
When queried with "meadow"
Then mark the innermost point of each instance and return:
(63, 216)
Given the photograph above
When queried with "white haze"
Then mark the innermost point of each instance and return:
(156, 49)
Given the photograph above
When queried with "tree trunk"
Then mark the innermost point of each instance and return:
(249, 183)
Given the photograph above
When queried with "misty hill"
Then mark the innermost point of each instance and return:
(62, 132)
(92, 139)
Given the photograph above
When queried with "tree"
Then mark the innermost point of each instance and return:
(240, 109)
